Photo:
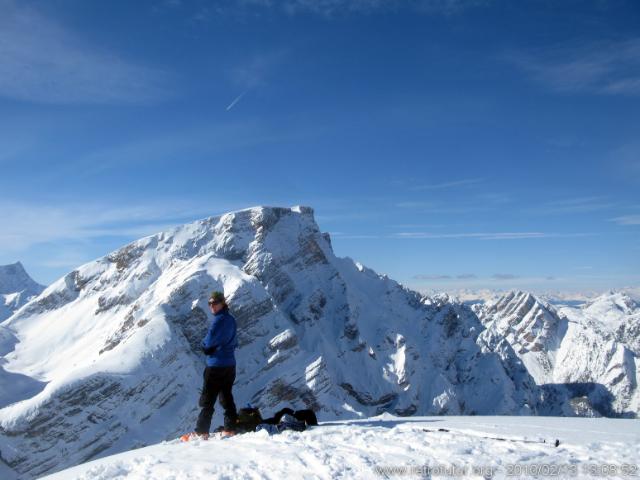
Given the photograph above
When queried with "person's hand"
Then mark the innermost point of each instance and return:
(209, 351)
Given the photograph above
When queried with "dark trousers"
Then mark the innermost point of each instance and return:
(218, 382)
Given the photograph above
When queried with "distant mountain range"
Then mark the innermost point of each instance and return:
(109, 355)
(586, 356)
(471, 296)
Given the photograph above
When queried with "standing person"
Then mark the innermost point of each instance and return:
(218, 345)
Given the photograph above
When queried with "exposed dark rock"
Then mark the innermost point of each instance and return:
(365, 398)
(193, 326)
(79, 282)
(125, 257)
(107, 303)
(351, 331)
(327, 238)
(406, 412)
(121, 334)
(450, 323)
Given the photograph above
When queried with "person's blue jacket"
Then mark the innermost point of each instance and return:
(221, 340)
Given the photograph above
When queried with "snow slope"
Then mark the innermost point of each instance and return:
(113, 347)
(388, 447)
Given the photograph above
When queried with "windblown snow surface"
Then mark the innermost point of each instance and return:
(392, 447)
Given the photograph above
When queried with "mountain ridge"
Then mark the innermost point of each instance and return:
(114, 344)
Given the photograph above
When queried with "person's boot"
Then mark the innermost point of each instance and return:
(189, 437)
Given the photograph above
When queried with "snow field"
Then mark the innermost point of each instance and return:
(390, 447)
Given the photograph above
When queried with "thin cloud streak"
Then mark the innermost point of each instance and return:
(26, 225)
(453, 184)
(346, 236)
(431, 277)
(42, 62)
(574, 205)
(255, 71)
(207, 139)
(237, 99)
(604, 68)
(331, 8)
(504, 276)
(436, 208)
(474, 236)
(627, 220)
(489, 236)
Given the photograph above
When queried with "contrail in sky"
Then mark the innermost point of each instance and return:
(232, 104)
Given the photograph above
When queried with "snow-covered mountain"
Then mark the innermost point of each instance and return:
(468, 296)
(588, 356)
(114, 346)
(16, 289)
(618, 313)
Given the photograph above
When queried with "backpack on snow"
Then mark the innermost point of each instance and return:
(248, 419)
(307, 416)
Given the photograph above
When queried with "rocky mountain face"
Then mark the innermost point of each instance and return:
(16, 289)
(585, 359)
(112, 349)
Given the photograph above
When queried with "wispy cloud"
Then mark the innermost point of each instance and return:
(330, 8)
(420, 225)
(40, 61)
(501, 280)
(495, 198)
(353, 236)
(416, 204)
(255, 71)
(444, 208)
(627, 160)
(171, 145)
(431, 277)
(489, 236)
(28, 224)
(574, 205)
(504, 276)
(467, 203)
(627, 220)
(466, 276)
(451, 184)
(609, 68)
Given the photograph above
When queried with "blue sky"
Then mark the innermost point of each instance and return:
(447, 143)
